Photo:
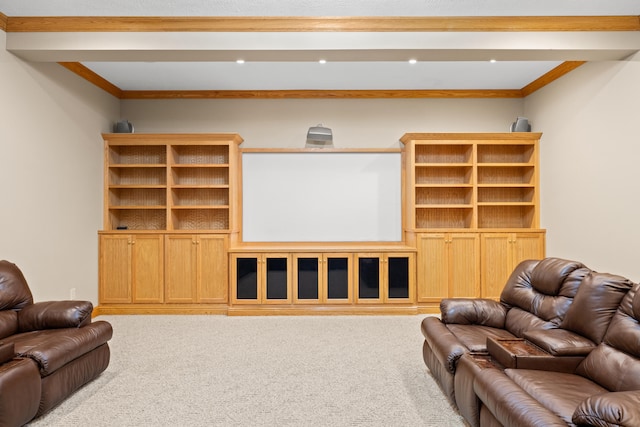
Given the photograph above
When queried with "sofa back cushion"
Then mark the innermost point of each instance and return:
(615, 363)
(14, 291)
(541, 292)
(594, 305)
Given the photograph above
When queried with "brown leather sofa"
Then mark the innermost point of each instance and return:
(560, 306)
(604, 389)
(47, 349)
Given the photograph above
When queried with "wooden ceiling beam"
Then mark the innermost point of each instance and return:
(322, 24)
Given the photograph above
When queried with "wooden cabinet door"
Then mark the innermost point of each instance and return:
(448, 266)
(496, 263)
(147, 268)
(464, 265)
(131, 269)
(115, 269)
(528, 246)
(196, 269)
(180, 267)
(212, 274)
(501, 253)
(433, 267)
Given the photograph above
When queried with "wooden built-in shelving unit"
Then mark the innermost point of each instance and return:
(171, 241)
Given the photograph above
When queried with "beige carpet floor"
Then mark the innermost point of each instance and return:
(260, 371)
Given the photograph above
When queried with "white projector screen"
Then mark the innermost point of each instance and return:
(321, 196)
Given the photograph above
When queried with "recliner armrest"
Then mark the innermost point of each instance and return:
(54, 315)
(444, 345)
(560, 342)
(476, 311)
(609, 409)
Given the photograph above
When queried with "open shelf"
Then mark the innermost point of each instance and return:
(443, 174)
(200, 154)
(200, 219)
(449, 153)
(499, 194)
(511, 153)
(430, 217)
(138, 155)
(138, 219)
(200, 175)
(472, 181)
(170, 181)
(506, 216)
(444, 195)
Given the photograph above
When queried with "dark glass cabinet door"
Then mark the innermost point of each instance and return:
(398, 277)
(369, 278)
(246, 278)
(308, 280)
(337, 278)
(277, 287)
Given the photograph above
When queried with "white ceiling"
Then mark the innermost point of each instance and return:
(279, 61)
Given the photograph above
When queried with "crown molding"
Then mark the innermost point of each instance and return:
(318, 94)
(94, 78)
(545, 79)
(321, 24)
(3, 22)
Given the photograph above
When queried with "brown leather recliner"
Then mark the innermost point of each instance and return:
(537, 295)
(604, 390)
(50, 349)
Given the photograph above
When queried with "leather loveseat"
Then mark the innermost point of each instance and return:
(47, 349)
(560, 306)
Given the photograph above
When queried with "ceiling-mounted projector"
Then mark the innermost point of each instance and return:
(319, 137)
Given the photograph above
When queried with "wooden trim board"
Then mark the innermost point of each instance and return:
(322, 24)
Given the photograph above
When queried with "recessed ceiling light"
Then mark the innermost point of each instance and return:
(240, 61)
(493, 61)
(323, 61)
(413, 61)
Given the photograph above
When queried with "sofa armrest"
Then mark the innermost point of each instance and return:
(609, 409)
(476, 311)
(560, 342)
(54, 315)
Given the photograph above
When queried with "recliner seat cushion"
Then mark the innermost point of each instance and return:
(474, 337)
(559, 392)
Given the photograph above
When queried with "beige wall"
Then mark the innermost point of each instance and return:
(355, 123)
(51, 175)
(590, 152)
(51, 157)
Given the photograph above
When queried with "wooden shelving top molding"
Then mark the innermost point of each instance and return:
(170, 138)
(525, 136)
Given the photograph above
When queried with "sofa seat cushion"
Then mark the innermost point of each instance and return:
(559, 392)
(54, 348)
(474, 337)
